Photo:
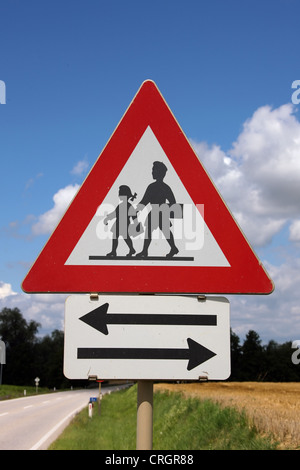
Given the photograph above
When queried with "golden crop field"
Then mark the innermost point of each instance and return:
(272, 407)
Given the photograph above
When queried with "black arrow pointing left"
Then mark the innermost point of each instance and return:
(99, 319)
(196, 354)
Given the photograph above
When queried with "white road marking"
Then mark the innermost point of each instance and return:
(54, 429)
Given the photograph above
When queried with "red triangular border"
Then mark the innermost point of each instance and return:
(49, 273)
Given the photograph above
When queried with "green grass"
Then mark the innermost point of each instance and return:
(178, 424)
(16, 391)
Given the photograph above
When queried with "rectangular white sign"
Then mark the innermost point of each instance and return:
(147, 337)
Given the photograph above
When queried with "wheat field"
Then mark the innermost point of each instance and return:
(272, 407)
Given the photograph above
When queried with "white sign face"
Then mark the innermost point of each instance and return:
(182, 223)
(147, 337)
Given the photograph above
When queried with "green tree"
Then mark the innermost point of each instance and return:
(50, 360)
(280, 367)
(236, 356)
(253, 358)
(21, 342)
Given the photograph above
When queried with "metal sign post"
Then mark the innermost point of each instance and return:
(144, 427)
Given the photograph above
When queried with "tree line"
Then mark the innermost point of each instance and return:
(253, 361)
(29, 356)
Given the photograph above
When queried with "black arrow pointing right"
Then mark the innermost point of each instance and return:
(196, 354)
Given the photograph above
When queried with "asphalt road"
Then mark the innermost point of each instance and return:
(32, 423)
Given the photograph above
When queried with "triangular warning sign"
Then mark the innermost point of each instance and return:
(148, 219)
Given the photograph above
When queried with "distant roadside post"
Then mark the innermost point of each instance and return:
(147, 267)
(99, 396)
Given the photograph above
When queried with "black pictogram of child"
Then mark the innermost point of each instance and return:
(124, 214)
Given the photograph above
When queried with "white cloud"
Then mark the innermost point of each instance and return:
(46, 309)
(6, 290)
(275, 316)
(269, 151)
(48, 221)
(259, 177)
(295, 231)
(32, 180)
(80, 168)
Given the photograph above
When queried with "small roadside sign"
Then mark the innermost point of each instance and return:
(2, 352)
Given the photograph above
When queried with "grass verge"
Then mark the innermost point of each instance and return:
(178, 424)
(17, 391)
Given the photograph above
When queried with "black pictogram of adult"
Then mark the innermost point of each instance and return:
(159, 195)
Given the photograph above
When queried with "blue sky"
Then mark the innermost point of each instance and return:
(225, 68)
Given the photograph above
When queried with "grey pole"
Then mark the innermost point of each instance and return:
(144, 434)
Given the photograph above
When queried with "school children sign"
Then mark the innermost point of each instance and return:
(148, 219)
